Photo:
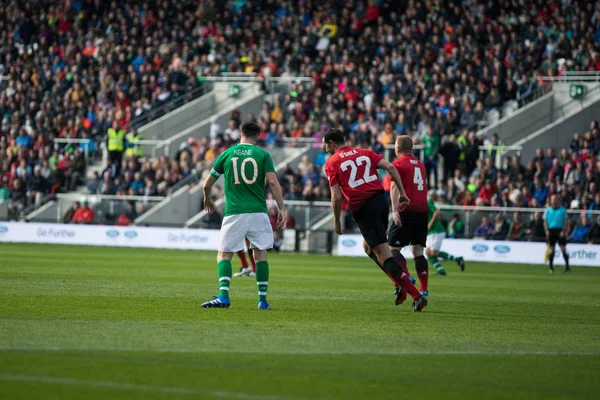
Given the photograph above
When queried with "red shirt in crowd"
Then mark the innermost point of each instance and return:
(412, 173)
(83, 214)
(355, 170)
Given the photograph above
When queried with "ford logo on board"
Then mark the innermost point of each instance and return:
(131, 234)
(3, 229)
(502, 248)
(112, 234)
(480, 248)
(349, 242)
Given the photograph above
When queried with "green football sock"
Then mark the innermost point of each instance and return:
(262, 279)
(224, 270)
(436, 263)
(446, 256)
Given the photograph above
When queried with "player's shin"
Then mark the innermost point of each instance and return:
(373, 257)
(422, 272)
(446, 256)
(252, 262)
(436, 263)
(262, 279)
(401, 277)
(242, 255)
(401, 261)
(224, 271)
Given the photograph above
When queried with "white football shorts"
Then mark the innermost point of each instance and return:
(254, 226)
(434, 241)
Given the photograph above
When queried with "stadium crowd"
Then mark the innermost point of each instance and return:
(432, 70)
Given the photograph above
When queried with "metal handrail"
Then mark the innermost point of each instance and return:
(155, 113)
(101, 197)
(507, 209)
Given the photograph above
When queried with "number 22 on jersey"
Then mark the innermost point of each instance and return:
(242, 171)
(353, 165)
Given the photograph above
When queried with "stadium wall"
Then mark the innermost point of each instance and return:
(206, 239)
(491, 251)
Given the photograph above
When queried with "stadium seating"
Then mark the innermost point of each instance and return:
(70, 72)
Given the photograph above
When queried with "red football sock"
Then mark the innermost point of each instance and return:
(401, 277)
(251, 256)
(422, 271)
(242, 255)
(374, 258)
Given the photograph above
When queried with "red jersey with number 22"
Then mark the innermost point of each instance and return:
(355, 170)
(412, 173)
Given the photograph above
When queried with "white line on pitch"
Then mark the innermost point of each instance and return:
(140, 387)
(307, 352)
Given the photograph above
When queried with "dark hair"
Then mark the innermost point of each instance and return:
(251, 129)
(334, 135)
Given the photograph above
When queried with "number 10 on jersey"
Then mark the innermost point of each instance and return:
(242, 171)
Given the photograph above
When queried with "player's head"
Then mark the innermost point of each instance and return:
(250, 133)
(333, 140)
(404, 145)
(555, 201)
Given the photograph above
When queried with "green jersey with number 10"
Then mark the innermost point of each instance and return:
(244, 168)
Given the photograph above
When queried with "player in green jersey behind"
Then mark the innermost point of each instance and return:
(244, 168)
(435, 236)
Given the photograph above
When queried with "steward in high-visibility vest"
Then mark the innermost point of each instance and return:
(462, 144)
(116, 139)
(132, 140)
(495, 148)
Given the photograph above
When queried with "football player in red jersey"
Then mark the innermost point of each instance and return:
(352, 174)
(414, 219)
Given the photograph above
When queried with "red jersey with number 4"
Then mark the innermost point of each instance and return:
(355, 170)
(412, 173)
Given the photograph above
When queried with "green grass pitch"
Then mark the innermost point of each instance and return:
(109, 323)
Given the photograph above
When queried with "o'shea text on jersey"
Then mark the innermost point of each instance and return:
(348, 153)
(242, 152)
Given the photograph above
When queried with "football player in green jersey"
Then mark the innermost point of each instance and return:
(435, 236)
(244, 168)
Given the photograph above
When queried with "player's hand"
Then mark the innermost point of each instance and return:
(337, 227)
(282, 218)
(404, 201)
(397, 219)
(209, 205)
(547, 232)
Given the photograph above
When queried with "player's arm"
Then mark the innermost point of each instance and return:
(434, 217)
(391, 169)
(395, 198)
(278, 196)
(336, 206)
(546, 225)
(209, 204)
(215, 173)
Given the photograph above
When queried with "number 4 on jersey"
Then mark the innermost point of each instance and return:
(418, 179)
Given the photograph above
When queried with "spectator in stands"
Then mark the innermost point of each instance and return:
(485, 229)
(580, 231)
(486, 193)
(431, 141)
(517, 229)
(84, 214)
(536, 230)
(68, 215)
(593, 236)
(456, 227)
(501, 228)
(36, 186)
(539, 190)
(4, 189)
